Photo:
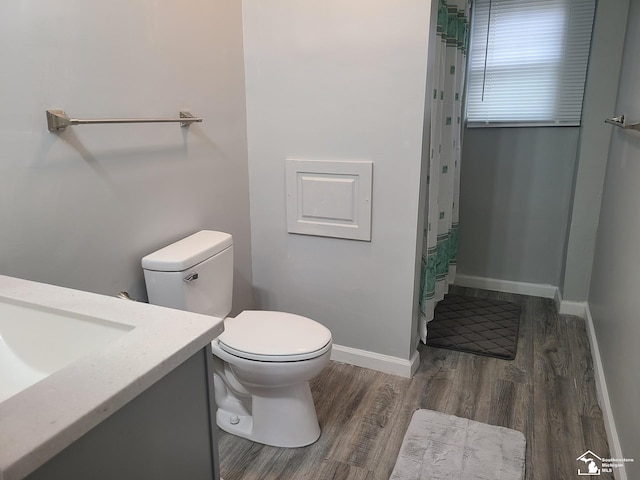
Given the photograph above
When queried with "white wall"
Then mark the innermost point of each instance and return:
(80, 208)
(613, 299)
(338, 80)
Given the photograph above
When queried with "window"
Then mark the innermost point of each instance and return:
(528, 62)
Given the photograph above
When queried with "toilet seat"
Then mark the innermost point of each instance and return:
(275, 337)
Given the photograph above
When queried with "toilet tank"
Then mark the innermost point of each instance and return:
(193, 274)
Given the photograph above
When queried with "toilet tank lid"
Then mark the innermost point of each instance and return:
(187, 252)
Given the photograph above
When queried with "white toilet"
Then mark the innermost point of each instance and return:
(263, 361)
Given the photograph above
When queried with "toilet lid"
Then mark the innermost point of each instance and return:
(274, 336)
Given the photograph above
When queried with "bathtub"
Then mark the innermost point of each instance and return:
(71, 359)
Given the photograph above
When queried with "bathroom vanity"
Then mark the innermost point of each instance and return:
(103, 388)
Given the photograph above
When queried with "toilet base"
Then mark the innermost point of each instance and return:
(280, 417)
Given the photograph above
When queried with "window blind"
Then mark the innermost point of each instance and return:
(528, 61)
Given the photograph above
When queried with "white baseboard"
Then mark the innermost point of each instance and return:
(376, 361)
(534, 289)
(603, 395)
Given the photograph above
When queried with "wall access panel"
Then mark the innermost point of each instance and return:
(329, 198)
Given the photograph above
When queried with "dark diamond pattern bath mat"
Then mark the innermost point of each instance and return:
(475, 325)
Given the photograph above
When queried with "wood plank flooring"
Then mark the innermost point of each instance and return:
(547, 392)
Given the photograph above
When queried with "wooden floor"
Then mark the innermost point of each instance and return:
(547, 392)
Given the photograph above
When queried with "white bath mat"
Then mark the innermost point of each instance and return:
(438, 446)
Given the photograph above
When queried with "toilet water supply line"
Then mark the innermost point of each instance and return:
(125, 296)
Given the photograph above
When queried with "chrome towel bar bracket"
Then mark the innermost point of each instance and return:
(619, 122)
(57, 120)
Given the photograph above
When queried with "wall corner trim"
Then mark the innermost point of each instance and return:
(568, 307)
(376, 361)
(603, 396)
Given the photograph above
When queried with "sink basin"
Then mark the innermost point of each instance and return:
(70, 359)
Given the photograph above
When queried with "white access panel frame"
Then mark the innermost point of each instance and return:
(329, 198)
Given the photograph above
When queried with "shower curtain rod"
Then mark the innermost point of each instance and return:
(57, 120)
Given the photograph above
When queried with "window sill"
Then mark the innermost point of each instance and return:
(519, 124)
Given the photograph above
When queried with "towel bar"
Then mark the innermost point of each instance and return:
(619, 122)
(57, 120)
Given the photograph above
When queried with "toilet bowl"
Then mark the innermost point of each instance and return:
(267, 398)
(262, 362)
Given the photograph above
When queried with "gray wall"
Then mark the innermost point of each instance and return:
(515, 196)
(599, 103)
(335, 80)
(80, 208)
(613, 299)
(529, 205)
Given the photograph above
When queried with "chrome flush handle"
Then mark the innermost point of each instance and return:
(190, 278)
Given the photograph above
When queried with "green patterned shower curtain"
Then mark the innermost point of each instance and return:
(440, 239)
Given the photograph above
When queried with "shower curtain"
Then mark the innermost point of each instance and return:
(439, 247)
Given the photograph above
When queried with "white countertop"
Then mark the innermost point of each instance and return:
(39, 422)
